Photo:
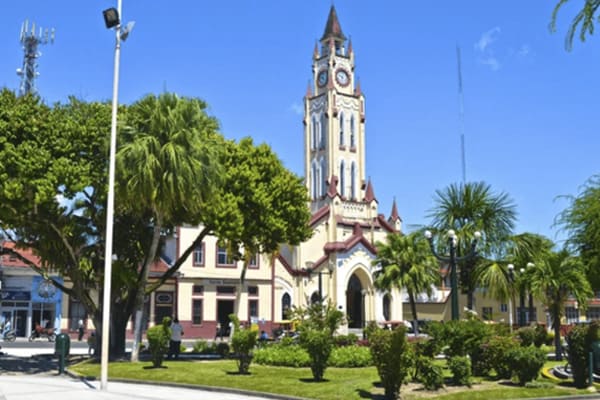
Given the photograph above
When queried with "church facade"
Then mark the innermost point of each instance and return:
(335, 264)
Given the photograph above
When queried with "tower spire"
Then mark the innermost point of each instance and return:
(333, 29)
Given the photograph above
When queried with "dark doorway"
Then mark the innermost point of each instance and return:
(354, 303)
(224, 308)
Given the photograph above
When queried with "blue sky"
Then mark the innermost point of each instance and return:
(531, 107)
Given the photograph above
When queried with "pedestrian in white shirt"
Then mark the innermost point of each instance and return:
(175, 343)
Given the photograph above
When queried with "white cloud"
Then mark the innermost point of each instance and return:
(296, 108)
(492, 62)
(484, 47)
(524, 50)
(487, 38)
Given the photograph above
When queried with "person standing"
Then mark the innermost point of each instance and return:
(175, 343)
(80, 330)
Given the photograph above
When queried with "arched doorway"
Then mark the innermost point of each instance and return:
(355, 304)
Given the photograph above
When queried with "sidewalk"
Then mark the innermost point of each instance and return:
(35, 387)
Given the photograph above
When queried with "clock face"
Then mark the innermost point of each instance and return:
(322, 78)
(342, 77)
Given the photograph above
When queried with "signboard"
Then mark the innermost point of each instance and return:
(15, 295)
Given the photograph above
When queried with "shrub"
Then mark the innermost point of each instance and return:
(317, 325)
(158, 341)
(393, 358)
(494, 355)
(461, 371)
(580, 340)
(350, 357)
(464, 337)
(430, 374)
(541, 336)
(200, 346)
(318, 345)
(370, 328)
(222, 349)
(345, 340)
(549, 338)
(526, 363)
(526, 335)
(283, 356)
(242, 342)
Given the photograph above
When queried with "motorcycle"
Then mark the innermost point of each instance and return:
(39, 333)
(9, 336)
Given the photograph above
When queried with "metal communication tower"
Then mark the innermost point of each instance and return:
(30, 41)
(462, 118)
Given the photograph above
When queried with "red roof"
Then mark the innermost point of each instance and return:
(10, 261)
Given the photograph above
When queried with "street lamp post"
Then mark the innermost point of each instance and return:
(511, 279)
(310, 270)
(452, 259)
(112, 19)
(523, 285)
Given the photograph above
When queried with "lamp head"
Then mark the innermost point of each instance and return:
(111, 17)
(522, 270)
(511, 267)
(428, 235)
(477, 235)
(451, 233)
(530, 265)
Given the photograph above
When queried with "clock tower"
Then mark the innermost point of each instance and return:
(334, 122)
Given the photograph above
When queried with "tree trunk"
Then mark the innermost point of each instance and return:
(143, 280)
(413, 309)
(557, 342)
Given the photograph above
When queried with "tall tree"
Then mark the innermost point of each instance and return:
(584, 19)
(167, 167)
(554, 281)
(406, 264)
(52, 189)
(581, 221)
(467, 208)
(521, 249)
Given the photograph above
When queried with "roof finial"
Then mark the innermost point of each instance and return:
(369, 193)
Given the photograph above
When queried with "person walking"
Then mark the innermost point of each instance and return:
(175, 343)
(80, 330)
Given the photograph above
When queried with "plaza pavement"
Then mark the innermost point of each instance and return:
(31, 373)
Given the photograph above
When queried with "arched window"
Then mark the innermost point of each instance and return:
(323, 177)
(387, 307)
(286, 305)
(352, 133)
(318, 186)
(313, 181)
(341, 129)
(323, 139)
(313, 142)
(353, 180)
(342, 178)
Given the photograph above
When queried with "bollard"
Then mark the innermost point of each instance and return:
(61, 348)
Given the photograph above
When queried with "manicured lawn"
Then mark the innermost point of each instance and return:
(341, 383)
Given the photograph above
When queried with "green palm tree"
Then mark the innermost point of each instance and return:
(560, 277)
(467, 208)
(520, 250)
(584, 19)
(168, 166)
(406, 263)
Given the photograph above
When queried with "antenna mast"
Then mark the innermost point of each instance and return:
(30, 41)
(461, 117)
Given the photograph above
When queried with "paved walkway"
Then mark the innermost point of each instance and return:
(34, 378)
(34, 387)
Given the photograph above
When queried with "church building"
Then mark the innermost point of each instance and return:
(335, 264)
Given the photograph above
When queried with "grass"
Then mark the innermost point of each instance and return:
(340, 383)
